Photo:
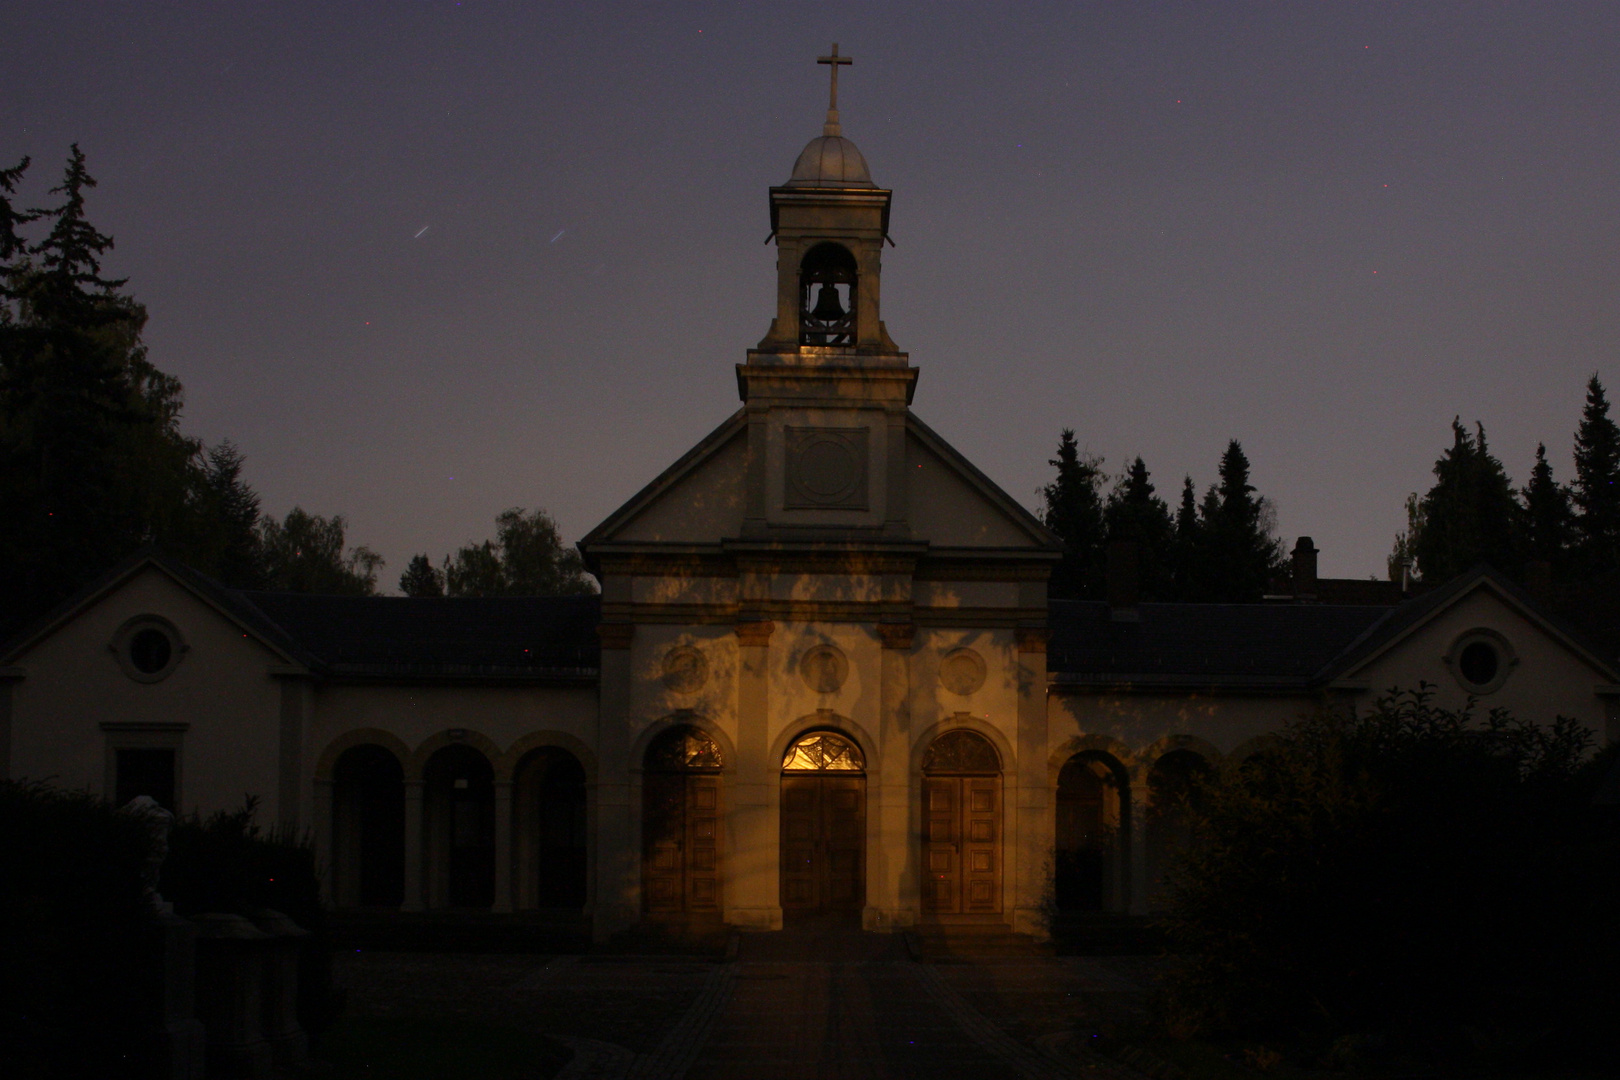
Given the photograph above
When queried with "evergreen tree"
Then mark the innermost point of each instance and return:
(421, 578)
(231, 508)
(1470, 515)
(92, 460)
(1240, 552)
(306, 553)
(1185, 571)
(1074, 511)
(1134, 513)
(12, 243)
(527, 558)
(1596, 489)
(1547, 519)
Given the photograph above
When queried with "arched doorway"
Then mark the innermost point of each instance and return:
(961, 826)
(549, 836)
(823, 837)
(680, 824)
(1085, 860)
(368, 828)
(1173, 788)
(459, 817)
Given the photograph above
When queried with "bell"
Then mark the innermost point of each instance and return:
(828, 309)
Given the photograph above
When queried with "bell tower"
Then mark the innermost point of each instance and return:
(827, 390)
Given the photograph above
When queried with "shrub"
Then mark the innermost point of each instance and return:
(1435, 875)
(75, 935)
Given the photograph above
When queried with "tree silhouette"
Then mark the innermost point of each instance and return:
(1470, 514)
(1596, 488)
(1074, 511)
(1547, 521)
(306, 553)
(527, 558)
(421, 578)
(1237, 554)
(1135, 514)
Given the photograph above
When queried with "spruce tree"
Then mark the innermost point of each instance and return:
(1188, 545)
(1239, 554)
(1470, 515)
(92, 460)
(1134, 513)
(1547, 519)
(421, 578)
(1074, 511)
(1596, 488)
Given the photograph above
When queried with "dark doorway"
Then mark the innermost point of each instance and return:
(549, 793)
(823, 836)
(145, 771)
(1087, 830)
(459, 787)
(961, 826)
(368, 828)
(680, 824)
(1173, 786)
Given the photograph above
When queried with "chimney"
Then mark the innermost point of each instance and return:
(1122, 581)
(1304, 569)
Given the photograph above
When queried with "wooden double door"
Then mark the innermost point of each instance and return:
(823, 849)
(680, 843)
(962, 845)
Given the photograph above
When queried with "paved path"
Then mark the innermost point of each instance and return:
(798, 1004)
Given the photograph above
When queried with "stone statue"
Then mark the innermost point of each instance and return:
(158, 822)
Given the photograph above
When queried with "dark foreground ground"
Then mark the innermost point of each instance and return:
(819, 1001)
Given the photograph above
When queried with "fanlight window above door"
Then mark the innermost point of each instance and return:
(961, 752)
(683, 749)
(823, 751)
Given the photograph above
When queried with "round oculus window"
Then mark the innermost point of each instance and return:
(150, 650)
(1481, 661)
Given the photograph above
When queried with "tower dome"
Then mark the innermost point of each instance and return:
(830, 161)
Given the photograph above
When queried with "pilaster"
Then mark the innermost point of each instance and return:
(413, 847)
(618, 860)
(1029, 856)
(892, 880)
(503, 846)
(754, 872)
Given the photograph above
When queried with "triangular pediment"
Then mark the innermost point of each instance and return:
(954, 505)
(697, 500)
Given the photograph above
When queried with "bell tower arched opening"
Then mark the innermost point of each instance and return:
(827, 296)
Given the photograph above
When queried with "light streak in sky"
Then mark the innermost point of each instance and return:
(554, 239)
(420, 231)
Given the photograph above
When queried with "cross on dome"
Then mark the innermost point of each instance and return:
(834, 62)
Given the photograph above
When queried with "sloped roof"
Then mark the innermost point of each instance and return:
(396, 636)
(1283, 646)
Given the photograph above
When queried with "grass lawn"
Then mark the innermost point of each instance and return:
(367, 1048)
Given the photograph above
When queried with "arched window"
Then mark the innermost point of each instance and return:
(683, 749)
(961, 751)
(823, 751)
(827, 296)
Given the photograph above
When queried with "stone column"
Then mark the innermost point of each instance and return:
(1029, 857)
(892, 880)
(413, 847)
(503, 846)
(325, 849)
(753, 872)
(618, 862)
(1136, 879)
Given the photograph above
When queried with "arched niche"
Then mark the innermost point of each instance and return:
(1091, 812)
(1169, 818)
(368, 827)
(549, 829)
(458, 820)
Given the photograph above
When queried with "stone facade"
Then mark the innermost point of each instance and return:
(822, 675)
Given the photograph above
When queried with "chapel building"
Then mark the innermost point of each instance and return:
(822, 675)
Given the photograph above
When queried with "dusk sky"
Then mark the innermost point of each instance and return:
(423, 262)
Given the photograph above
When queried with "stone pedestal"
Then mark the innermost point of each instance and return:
(230, 1002)
(279, 1016)
(178, 1042)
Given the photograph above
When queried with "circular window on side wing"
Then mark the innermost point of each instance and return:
(148, 648)
(1481, 661)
